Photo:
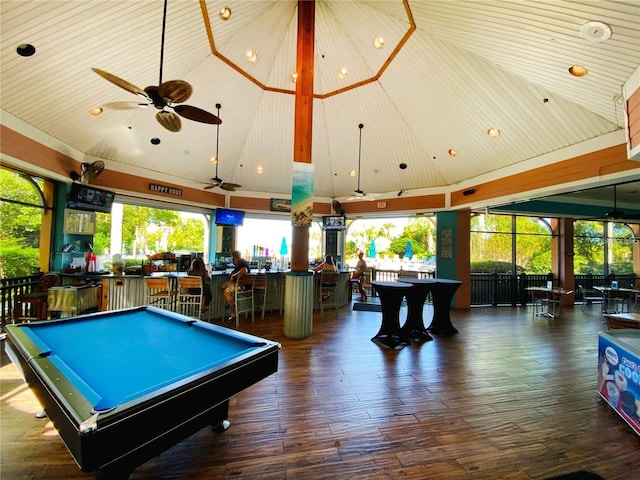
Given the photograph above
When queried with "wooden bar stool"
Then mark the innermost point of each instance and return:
(33, 305)
(159, 292)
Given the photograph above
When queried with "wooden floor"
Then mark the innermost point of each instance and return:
(509, 397)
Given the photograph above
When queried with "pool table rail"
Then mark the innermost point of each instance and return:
(116, 441)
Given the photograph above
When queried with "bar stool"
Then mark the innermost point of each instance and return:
(328, 290)
(243, 296)
(260, 288)
(35, 303)
(190, 296)
(159, 292)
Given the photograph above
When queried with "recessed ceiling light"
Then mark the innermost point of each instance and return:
(578, 70)
(96, 111)
(453, 152)
(26, 50)
(213, 160)
(294, 77)
(259, 169)
(595, 31)
(251, 55)
(493, 132)
(342, 73)
(352, 173)
(225, 13)
(378, 42)
(155, 141)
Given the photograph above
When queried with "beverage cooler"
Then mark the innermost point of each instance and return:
(619, 373)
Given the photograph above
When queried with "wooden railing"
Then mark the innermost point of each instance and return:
(9, 288)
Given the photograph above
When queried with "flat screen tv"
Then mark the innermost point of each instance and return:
(225, 216)
(334, 222)
(89, 198)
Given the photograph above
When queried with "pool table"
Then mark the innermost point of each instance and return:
(123, 386)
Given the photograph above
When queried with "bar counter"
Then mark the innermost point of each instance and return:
(127, 291)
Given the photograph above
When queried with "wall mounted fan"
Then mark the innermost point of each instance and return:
(217, 181)
(88, 171)
(165, 96)
(358, 193)
(337, 207)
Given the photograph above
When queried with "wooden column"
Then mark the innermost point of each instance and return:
(303, 121)
(298, 308)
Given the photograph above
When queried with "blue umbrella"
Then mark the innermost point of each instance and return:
(372, 249)
(408, 252)
(283, 247)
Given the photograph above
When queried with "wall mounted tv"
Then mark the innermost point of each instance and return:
(334, 222)
(89, 198)
(225, 216)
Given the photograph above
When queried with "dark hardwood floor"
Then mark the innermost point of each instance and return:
(510, 397)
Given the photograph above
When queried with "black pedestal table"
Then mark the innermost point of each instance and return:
(390, 334)
(442, 291)
(414, 325)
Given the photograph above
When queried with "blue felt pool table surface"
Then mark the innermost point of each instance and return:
(116, 358)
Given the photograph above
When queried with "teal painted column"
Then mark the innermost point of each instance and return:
(453, 250)
(446, 225)
(298, 304)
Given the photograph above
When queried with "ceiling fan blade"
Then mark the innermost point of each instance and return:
(125, 105)
(129, 87)
(177, 91)
(169, 120)
(210, 186)
(196, 114)
(230, 187)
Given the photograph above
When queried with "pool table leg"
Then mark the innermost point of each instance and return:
(223, 426)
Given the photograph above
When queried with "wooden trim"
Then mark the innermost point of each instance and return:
(602, 162)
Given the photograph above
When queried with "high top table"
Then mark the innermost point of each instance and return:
(414, 325)
(390, 334)
(442, 291)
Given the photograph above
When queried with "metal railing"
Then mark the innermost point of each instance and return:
(486, 288)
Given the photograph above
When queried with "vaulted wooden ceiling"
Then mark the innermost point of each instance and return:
(448, 71)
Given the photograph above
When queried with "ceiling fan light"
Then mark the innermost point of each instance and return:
(96, 111)
(578, 70)
(224, 13)
(251, 55)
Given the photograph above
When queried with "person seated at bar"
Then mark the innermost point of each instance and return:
(327, 264)
(241, 267)
(199, 269)
(361, 268)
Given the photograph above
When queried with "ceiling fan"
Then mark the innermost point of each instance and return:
(616, 214)
(358, 193)
(165, 96)
(88, 171)
(217, 181)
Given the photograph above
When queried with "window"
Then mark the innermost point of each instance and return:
(22, 207)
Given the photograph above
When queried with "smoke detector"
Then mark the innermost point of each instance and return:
(595, 31)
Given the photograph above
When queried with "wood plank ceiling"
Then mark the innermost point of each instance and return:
(468, 65)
